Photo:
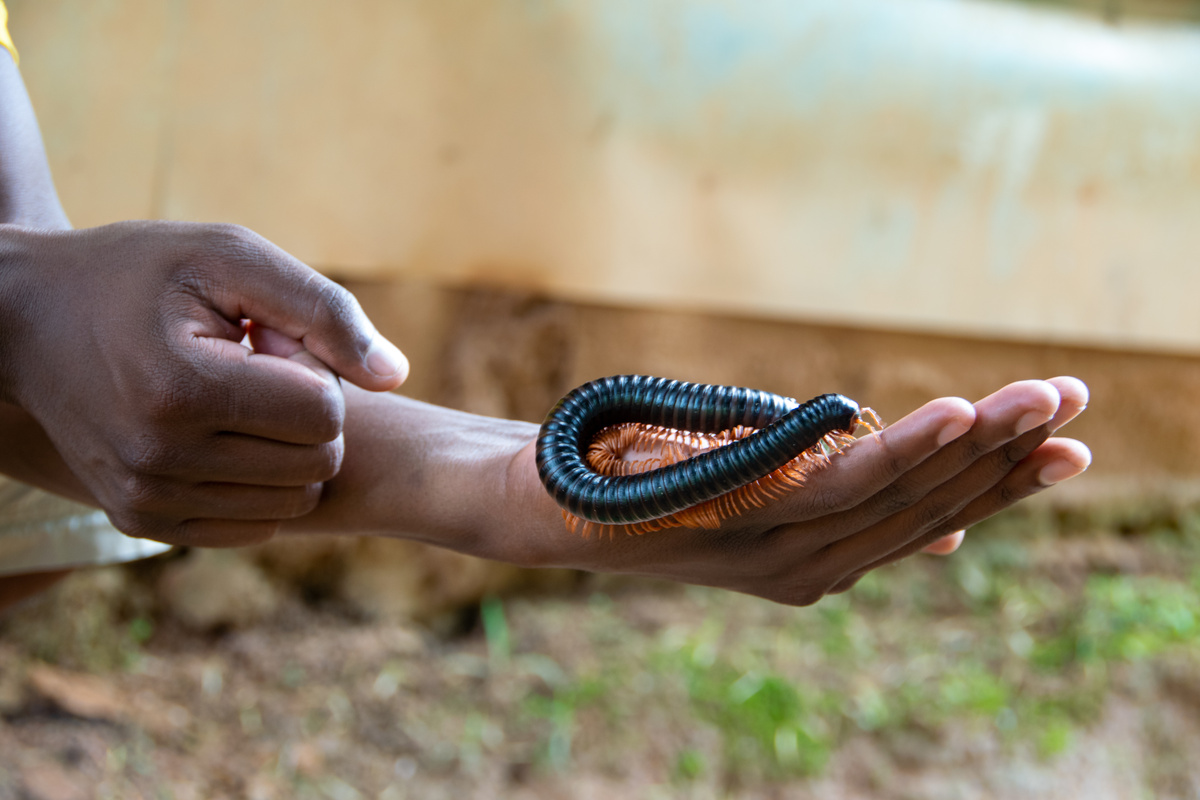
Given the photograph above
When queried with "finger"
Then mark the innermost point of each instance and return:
(1000, 417)
(267, 342)
(1054, 461)
(270, 342)
(217, 533)
(897, 531)
(172, 502)
(296, 400)
(251, 460)
(261, 282)
(1074, 399)
(945, 545)
(873, 462)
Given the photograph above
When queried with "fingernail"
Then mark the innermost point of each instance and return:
(384, 359)
(952, 431)
(1058, 471)
(1031, 420)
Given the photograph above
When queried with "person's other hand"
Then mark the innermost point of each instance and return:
(122, 342)
(914, 486)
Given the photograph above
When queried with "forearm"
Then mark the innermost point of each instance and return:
(27, 194)
(436, 475)
(470, 484)
(411, 470)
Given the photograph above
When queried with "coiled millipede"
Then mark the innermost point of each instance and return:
(642, 454)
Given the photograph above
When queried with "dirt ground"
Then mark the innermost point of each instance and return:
(1032, 665)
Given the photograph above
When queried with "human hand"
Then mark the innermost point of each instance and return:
(913, 486)
(122, 342)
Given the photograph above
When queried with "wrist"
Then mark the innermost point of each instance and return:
(474, 497)
(438, 476)
(535, 533)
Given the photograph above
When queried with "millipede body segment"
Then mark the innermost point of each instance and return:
(650, 453)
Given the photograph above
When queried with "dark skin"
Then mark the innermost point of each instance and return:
(140, 400)
(139, 384)
(470, 484)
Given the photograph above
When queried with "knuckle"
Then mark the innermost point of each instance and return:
(330, 416)
(974, 450)
(1012, 453)
(337, 304)
(894, 499)
(138, 525)
(827, 500)
(932, 516)
(167, 395)
(141, 494)
(802, 586)
(235, 239)
(892, 467)
(336, 312)
(224, 243)
(303, 500)
(1008, 494)
(329, 460)
(315, 429)
(144, 458)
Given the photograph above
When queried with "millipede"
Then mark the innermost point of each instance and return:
(644, 453)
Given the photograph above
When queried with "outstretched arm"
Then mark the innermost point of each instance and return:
(469, 483)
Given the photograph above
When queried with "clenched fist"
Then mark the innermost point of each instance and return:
(123, 344)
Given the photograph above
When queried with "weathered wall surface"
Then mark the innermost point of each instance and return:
(959, 167)
(513, 354)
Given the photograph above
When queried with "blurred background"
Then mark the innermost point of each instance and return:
(893, 199)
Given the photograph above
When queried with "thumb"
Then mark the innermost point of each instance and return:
(262, 283)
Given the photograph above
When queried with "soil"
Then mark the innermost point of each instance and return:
(582, 693)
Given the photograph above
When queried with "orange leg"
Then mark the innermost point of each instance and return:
(633, 448)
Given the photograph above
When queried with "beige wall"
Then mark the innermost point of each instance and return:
(953, 167)
(1026, 183)
(513, 354)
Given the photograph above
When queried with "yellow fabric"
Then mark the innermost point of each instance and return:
(5, 39)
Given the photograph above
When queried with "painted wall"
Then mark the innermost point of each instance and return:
(932, 165)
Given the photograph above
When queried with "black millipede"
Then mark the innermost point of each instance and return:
(651, 453)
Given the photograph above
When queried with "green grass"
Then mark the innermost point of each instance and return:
(1019, 640)
(983, 641)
